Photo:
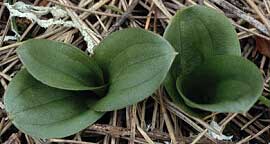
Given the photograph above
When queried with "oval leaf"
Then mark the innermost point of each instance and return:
(46, 112)
(135, 63)
(60, 65)
(222, 84)
(197, 33)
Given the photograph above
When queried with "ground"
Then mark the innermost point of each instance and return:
(155, 119)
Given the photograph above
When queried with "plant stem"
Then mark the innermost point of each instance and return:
(264, 101)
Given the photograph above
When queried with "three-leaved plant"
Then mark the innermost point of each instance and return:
(62, 90)
(209, 74)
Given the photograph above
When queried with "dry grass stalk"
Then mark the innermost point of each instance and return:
(151, 121)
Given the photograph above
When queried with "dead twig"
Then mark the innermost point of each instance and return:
(233, 9)
(124, 16)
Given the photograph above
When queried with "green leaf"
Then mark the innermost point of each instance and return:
(135, 62)
(222, 84)
(197, 33)
(172, 91)
(265, 101)
(46, 112)
(60, 65)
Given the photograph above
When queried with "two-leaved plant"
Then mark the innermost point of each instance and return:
(209, 74)
(62, 90)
